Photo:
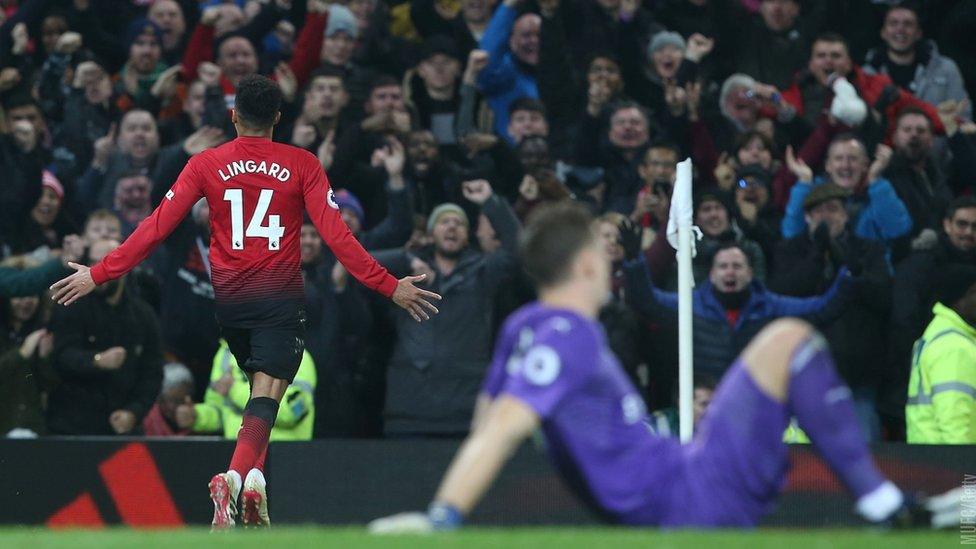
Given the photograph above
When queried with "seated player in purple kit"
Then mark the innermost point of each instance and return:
(553, 370)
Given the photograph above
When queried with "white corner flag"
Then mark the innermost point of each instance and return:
(680, 231)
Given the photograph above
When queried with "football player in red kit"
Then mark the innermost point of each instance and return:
(257, 191)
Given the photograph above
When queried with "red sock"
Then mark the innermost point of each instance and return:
(252, 443)
(259, 464)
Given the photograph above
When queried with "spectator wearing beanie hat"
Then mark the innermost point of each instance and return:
(46, 224)
(392, 231)
(437, 366)
(667, 58)
(144, 65)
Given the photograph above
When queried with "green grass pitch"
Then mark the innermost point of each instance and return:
(510, 538)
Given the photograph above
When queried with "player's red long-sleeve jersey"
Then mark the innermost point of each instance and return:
(257, 191)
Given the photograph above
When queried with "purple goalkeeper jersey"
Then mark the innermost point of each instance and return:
(558, 363)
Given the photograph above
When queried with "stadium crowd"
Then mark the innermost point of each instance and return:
(834, 154)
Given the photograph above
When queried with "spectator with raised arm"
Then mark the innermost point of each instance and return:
(438, 366)
(512, 43)
(832, 82)
(876, 211)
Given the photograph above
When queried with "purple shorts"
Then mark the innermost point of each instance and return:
(733, 470)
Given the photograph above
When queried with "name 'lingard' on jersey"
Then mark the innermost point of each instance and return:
(238, 167)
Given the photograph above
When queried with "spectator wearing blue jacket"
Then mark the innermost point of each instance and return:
(874, 208)
(730, 308)
(512, 43)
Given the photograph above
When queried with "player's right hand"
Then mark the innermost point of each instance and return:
(73, 287)
(402, 523)
(413, 299)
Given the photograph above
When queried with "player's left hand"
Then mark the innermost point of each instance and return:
(402, 523)
(413, 299)
(73, 287)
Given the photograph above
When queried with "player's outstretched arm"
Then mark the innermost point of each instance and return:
(416, 301)
(508, 422)
(74, 286)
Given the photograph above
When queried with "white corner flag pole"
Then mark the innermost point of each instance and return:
(680, 235)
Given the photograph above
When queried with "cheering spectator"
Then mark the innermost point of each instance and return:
(433, 88)
(771, 45)
(918, 179)
(169, 17)
(176, 389)
(25, 349)
(754, 213)
(47, 223)
(353, 167)
(717, 222)
(880, 214)
(914, 64)
(143, 43)
(618, 150)
(23, 162)
(132, 203)
(438, 365)
(134, 147)
(730, 307)
(832, 82)
(108, 355)
(512, 43)
(806, 266)
(102, 225)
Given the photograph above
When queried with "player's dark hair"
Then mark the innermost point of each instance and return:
(553, 236)
(258, 101)
(961, 203)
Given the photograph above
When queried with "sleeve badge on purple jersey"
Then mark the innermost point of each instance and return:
(541, 365)
(330, 198)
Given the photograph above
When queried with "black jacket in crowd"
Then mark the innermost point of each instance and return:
(438, 365)
(87, 395)
(808, 268)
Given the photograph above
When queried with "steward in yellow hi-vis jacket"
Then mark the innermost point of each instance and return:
(219, 412)
(941, 405)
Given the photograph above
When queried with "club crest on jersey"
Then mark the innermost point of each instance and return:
(330, 198)
(169, 194)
